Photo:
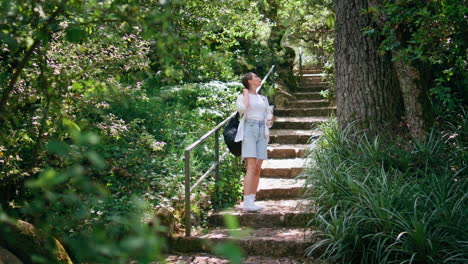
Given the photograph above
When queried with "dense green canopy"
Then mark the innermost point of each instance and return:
(98, 99)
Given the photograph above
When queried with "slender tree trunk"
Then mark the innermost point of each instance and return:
(414, 97)
(367, 89)
(413, 89)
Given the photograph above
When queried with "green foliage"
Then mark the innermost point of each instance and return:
(90, 128)
(121, 148)
(329, 78)
(389, 202)
(314, 34)
(85, 214)
(430, 34)
(98, 100)
(229, 189)
(231, 250)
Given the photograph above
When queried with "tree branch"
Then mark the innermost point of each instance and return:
(26, 58)
(100, 21)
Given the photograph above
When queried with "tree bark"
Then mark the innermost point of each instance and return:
(414, 97)
(416, 101)
(367, 88)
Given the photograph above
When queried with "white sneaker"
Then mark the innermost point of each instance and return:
(250, 208)
(259, 207)
(249, 204)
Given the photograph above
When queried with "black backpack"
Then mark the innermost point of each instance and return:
(229, 134)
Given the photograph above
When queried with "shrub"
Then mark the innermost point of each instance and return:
(389, 202)
(110, 150)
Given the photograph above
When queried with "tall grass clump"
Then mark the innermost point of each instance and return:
(389, 201)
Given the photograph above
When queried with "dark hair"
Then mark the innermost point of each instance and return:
(245, 79)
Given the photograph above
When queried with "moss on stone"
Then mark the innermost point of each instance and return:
(31, 245)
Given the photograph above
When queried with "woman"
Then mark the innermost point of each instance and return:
(254, 134)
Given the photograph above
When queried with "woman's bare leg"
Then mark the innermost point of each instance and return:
(250, 183)
(258, 169)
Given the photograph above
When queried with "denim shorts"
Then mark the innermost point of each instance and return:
(254, 144)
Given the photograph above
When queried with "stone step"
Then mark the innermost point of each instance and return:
(313, 89)
(271, 242)
(308, 95)
(312, 78)
(296, 123)
(317, 103)
(278, 189)
(316, 112)
(312, 86)
(284, 213)
(304, 88)
(286, 151)
(204, 258)
(313, 74)
(292, 136)
(314, 70)
(282, 168)
(308, 103)
(312, 82)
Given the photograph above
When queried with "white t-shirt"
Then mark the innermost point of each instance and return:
(241, 109)
(257, 107)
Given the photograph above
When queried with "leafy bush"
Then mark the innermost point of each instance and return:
(117, 149)
(389, 202)
(87, 126)
(431, 35)
(68, 202)
(229, 189)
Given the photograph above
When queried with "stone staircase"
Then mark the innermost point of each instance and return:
(275, 234)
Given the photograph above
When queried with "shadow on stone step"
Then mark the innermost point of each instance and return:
(277, 242)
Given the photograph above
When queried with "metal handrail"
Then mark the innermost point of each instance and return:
(300, 63)
(189, 189)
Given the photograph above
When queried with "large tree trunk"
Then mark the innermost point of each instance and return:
(367, 89)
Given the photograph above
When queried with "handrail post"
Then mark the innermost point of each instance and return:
(217, 160)
(273, 79)
(300, 63)
(187, 193)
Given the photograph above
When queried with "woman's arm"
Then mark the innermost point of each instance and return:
(245, 100)
(270, 119)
